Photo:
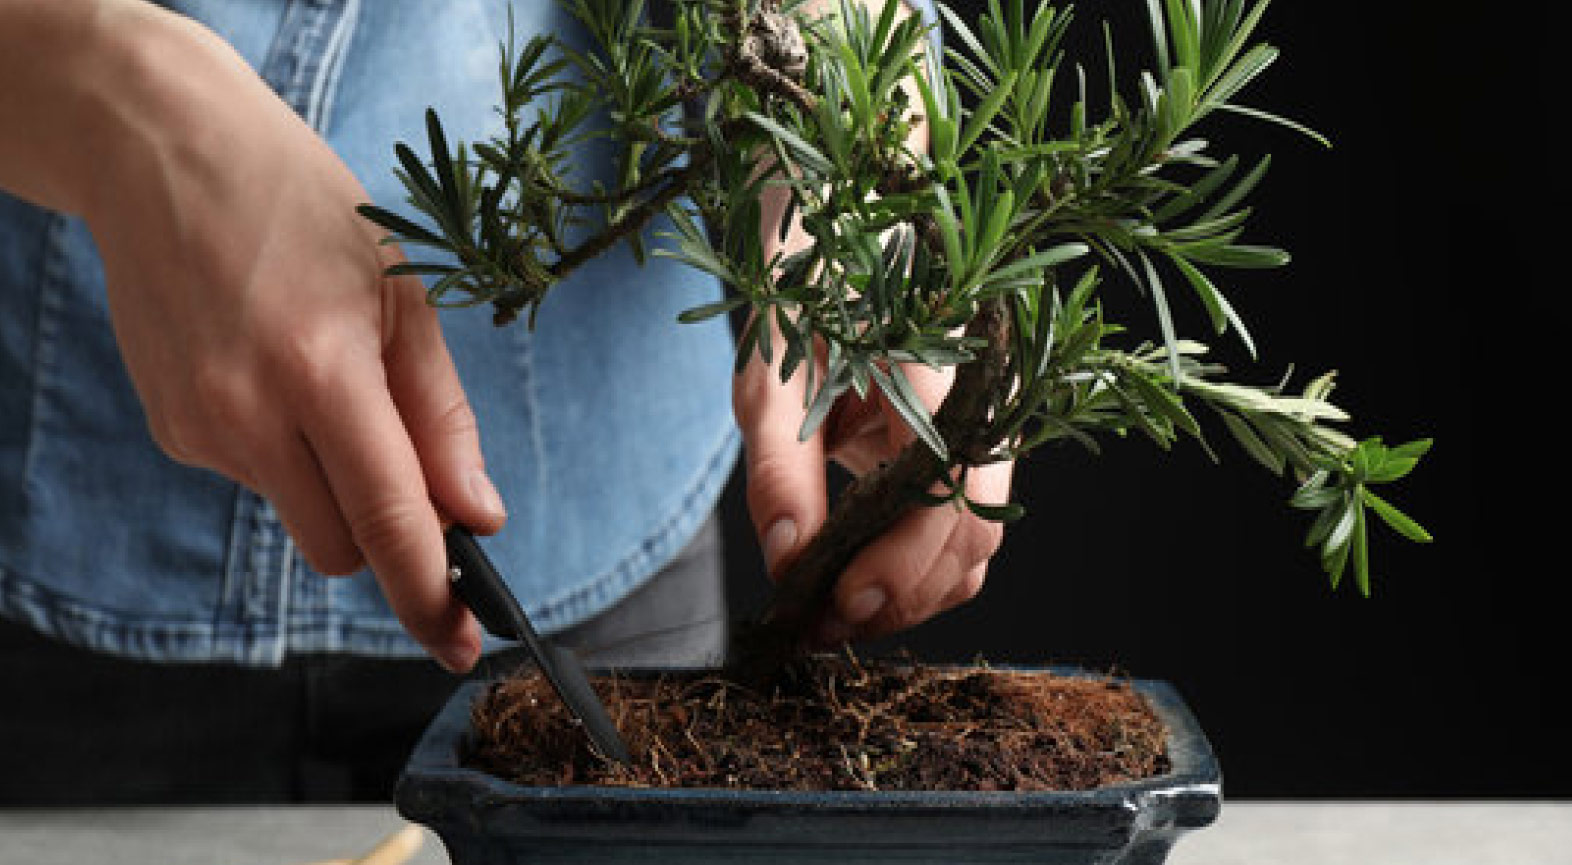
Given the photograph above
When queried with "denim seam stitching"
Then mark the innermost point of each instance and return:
(155, 638)
(320, 105)
(295, 61)
(47, 330)
(529, 394)
(287, 574)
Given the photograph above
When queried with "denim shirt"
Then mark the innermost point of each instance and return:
(607, 429)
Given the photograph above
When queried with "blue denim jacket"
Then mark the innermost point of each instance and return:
(607, 429)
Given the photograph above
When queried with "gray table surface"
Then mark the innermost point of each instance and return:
(1249, 833)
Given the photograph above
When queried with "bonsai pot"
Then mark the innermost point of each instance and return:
(486, 820)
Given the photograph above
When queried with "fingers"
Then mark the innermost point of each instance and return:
(785, 476)
(299, 492)
(221, 423)
(858, 432)
(934, 559)
(376, 477)
(326, 444)
(425, 387)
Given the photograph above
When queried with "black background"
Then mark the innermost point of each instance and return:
(1425, 272)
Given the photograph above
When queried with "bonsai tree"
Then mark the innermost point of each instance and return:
(988, 251)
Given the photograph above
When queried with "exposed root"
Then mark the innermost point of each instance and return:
(841, 724)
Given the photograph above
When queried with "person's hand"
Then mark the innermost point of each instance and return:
(931, 560)
(249, 303)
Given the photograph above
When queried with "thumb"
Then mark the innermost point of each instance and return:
(441, 425)
(786, 483)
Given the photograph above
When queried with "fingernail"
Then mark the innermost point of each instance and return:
(778, 541)
(457, 659)
(864, 605)
(481, 488)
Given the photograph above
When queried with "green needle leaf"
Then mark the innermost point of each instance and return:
(804, 153)
(710, 310)
(1359, 548)
(408, 231)
(986, 110)
(1008, 512)
(1399, 522)
(898, 390)
(1217, 306)
(442, 163)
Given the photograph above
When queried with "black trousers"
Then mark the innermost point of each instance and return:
(80, 728)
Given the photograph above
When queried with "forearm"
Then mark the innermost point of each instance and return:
(52, 73)
(88, 83)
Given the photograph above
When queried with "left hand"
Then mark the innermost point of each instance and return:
(932, 559)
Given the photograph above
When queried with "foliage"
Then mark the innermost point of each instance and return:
(1029, 201)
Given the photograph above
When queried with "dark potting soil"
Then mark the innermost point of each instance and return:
(835, 723)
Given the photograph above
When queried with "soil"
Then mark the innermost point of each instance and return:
(834, 723)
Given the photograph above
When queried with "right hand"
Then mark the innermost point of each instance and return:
(265, 343)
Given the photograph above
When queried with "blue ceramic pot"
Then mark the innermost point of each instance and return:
(485, 820)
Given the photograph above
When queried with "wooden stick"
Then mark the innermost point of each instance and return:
(396, 849)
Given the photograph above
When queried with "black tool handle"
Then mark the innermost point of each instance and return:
(477, 583)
